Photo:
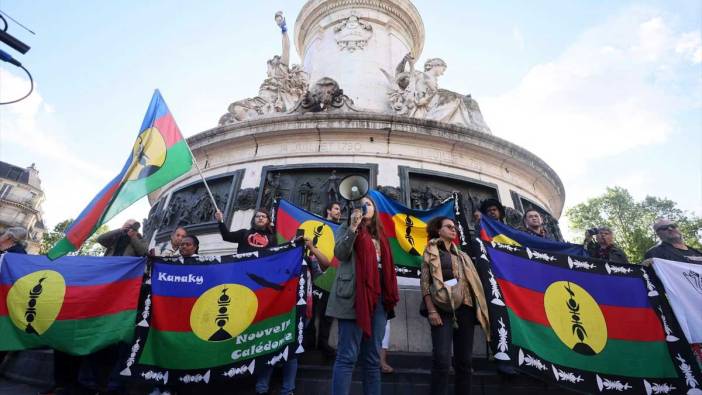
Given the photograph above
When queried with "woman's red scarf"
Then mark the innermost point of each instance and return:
(368, 279)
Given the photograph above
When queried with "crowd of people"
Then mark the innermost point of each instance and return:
(362, 298)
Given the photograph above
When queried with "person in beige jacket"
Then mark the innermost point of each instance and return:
(455, 301)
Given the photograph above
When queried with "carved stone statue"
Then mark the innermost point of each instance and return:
(246, 199)
(417, 94)
(324, 95)
(332, 187)
(272, 190)
(393, 193)
(352, 33)
(279, 92)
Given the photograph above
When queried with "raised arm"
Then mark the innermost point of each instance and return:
(280, 21)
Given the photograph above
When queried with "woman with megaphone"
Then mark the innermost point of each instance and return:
(362, 298)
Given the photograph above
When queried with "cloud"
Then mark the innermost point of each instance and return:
(20, 125)
(615, 88)
(29, 134)
(690, 45)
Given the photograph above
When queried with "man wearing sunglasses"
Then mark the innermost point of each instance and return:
(672, 246)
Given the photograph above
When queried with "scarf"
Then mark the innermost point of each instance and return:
(368, 287)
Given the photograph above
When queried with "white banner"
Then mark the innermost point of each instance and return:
(683, 286)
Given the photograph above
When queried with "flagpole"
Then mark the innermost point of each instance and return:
(207, 187)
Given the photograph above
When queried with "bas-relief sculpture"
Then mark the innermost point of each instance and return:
(279, 92)
(310, 188)
(352, 33)
(192, 206)
(417, 94)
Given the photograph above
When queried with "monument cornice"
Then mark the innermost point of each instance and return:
(391, 124)
(403, 10)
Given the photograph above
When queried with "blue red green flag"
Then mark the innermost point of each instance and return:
(208, 319)
(159, 156)
(587, 325)
(78, 307)
(406, 229)
(290, 218)
(494, 230)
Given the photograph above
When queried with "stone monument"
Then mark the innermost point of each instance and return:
(356, 105)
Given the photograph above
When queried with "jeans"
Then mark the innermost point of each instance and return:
(263, 377)
(462, 338)
(352, 347)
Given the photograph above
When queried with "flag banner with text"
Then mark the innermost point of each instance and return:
(502, 233)
(586, 325)
(77, 305)
(406, 229)
(683, 288)
(289, 219)
(160, 155)
(214, 319)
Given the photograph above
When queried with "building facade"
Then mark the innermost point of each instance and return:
(21, 198)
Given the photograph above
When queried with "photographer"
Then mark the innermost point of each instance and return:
(99, 370)
(126, 241)
(599, 243)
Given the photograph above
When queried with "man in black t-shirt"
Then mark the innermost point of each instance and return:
(672, 246)
(258, 237)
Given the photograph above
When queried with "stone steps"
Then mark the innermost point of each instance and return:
(412, 376)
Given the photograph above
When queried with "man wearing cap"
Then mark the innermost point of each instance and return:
(11, 240)
(672, 246)
(492, 208)
(602, 247)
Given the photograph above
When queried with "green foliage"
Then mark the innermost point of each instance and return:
(631, 221)
(90, 247)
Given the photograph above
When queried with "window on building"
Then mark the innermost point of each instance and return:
(14, 174)
(5, 190)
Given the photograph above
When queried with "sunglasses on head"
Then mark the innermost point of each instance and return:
(668, 227)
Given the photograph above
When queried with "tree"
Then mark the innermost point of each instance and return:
(90, 247)
(631, 221)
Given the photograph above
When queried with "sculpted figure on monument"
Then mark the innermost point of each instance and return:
(332, 187)
(324, 95)
(279, 92)
(352, 34)
(417, 94)
(246, 199)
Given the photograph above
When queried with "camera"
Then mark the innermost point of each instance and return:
(593, 231)
(135, 227)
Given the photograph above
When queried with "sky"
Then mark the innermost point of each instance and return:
(608, 93)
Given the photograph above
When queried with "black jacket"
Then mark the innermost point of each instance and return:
(248, 240)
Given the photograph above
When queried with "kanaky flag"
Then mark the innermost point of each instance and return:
(406, 230)
(160, 155)
(491, 230)
(584, 324)
(218, 318)
(77, 307)
(289, 218)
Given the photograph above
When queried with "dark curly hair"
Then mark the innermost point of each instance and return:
(196, 242)
(435, 225)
